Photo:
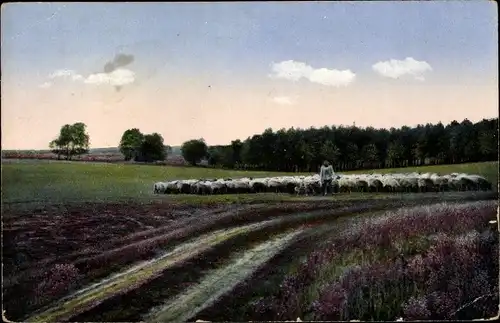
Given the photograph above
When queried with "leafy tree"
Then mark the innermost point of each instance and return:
(395, 153)
(73, 140)
(194, 151)
(236, 146)
(370, 154)
(352, 155)
(152, 148)
(251, 152)
(330, 152)
(305, 156)
(488, 139)
(56, 146)
(456, 147)
(214, 156)
(134, 145)
(130, 143)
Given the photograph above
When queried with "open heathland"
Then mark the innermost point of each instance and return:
(90, 242)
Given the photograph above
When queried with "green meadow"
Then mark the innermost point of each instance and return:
(27, 181)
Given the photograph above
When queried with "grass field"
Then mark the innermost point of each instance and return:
(91, 242)
(43, 181)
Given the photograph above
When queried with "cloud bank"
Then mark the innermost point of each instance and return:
(293, 71)
(397, 68)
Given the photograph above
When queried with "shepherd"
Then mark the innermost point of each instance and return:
(326, 176)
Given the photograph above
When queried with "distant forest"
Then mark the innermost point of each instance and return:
(350, 148)
(304, 150)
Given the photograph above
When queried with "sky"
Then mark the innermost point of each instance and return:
(229, 70)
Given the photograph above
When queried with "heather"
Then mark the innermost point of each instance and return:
(113, 256)
(416, 263)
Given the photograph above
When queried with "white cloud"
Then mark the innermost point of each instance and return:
(118, 77)
(283, 100)
(332, 77)
(294, 71)
(396, 68)
(45, 85)
(66, 74)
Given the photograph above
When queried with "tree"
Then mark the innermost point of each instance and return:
(73, 140)
(488, 139)
(352, 154)
(236, 146)
(152, 148)
(194, 151)
(214, 156)
(370, 154)
(304, 156)
(56, 147)
(130, 143)
(395, 152)
(329, 151)
(136, 146)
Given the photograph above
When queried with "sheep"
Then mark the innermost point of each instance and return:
(462, 183)
(440, 183)
(171, 188)
(159, 188)
(362, 184)
(346, 184)
(374, 185)
(273, 185)
(184, 187)
(218, 187)
(242, 185)
(311, 185)
(425, 184)
(258, 185)
(390, 184)
(480, 182)
(302, 189)
(231, 188)
(409, 184)
(288, 185)
(335, 185)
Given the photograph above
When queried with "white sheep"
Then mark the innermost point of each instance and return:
(396, 182)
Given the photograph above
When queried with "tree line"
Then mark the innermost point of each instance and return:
(304, 150)
(351, 148)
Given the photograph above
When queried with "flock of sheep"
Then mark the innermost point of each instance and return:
(311, 185)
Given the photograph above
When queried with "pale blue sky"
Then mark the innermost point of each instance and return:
(247, 37)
